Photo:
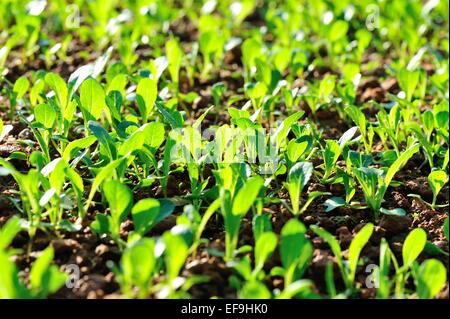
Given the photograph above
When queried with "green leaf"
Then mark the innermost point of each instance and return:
(338, 30)
(104, 138)
(395, 211)
(146, 92)
(102, 224)
(254, 290)
(10, 285)
(265, 246)
(92, 97)
(174, 56)
(297, 147)
(9, 231)
(298, 177)
(119, 198)
(57, 84)
(333, 203)
(176, 253)
(292, 241)
(437, 180)
(247, 195)
(326, 86)
(282, 131)
(408, 81)
(74, 146)
(144, 214)
(400, 162)
(261, 224)
(132, 144)
(21, 86)
(45, 114)
(39, 268)
(154, 135)
(138, 263)
(432, 276)
(44, 277)
(356, 246)
(413, 246)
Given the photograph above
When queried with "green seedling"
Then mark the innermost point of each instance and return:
(119, 198)
(333, 150)
(138, 266)
(367, 133)
(374, 182)
(237, 197)
(348, 270)
(295, 252)
(45, 278)
(298, 177)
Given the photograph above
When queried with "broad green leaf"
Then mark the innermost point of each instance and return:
(138, 263)
(265, 245)
(92, 97)
(45, 278)
(45, 114)
(408, 81)
(74, 146)
(57, 84)
(154, 135)
(10, 285)
(102, 224)
(21, 86)
(261, 224)
(437, 180)
(144, 214)
(300, 173)
(298, 147)
(431, 279)
(413, 246)
(292, 242)
(119, 198)
(333, 203)
(338, 30)
(247, 195)
(176, 253)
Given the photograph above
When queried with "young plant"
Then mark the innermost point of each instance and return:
(119, 198)
(430, 277)
(138, 266)
(437, 180)
(348, 269)
(333, 150)
(30, 194)
(174, 57)
(237, 197)
(374, 182)
(295, 252)
(298, 177)
(45, 278)
(358, 117)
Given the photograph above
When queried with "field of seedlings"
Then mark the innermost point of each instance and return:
(252, 149)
